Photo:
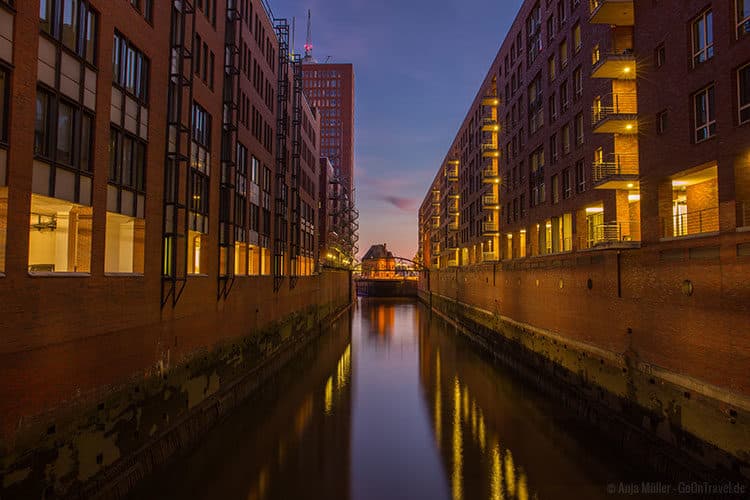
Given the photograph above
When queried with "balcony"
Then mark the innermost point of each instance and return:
(451, 171)
(435, 222)
(454, 226)
(685, 224)
(489, 256)
(614, 235)
(615, 65)
(491, 175)
(620, 116)
(743, 216)
(452, 262)
(492, 102)
(612, 12)
(490, 229)
(490, 150)
(490, 125)
(491, 202)
(453, 209)
(618, 171)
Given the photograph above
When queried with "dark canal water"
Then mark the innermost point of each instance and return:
(392, 404)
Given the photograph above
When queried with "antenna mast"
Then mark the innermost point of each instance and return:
(308, 43)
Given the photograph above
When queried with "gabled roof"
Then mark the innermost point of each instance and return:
(378, 252)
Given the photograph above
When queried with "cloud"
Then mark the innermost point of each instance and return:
(405, 204)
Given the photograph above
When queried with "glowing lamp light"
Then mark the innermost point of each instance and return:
(627, 69)
(630, 185)
(629, 126)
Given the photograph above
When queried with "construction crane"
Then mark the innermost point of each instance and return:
(308, 43)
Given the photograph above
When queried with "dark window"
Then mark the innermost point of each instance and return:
(130, 68)
(743, 82)
(41, 124)
(660, 54)
(4, 103)
(662, 121)
(72, 22)
(201, 126)
(703, 38)
(704, 114)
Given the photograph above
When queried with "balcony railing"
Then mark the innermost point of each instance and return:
(743, 219)
(451, 172)
(490, 149)
(453, 226)
(491, 175)
(622, 109)
(614, 234)
(691, 223)
(452, 262)
(453, 209)
(491, 200)
(490, 124)
(616, 65)
(616, 167)
(490, 227)
(489, 256)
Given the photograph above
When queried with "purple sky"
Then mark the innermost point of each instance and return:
(417, 65)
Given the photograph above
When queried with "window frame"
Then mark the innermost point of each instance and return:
(742, 25)
(82, 29)
(707, 126)
(740, 106)
(706, 52)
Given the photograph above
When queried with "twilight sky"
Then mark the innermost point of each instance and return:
(417, 65)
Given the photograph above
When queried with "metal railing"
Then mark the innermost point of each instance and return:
(595, 4)
(490, 200)
(490, 172)
(743, 219)
(489, 256)
(452, 262)
(489, 147)
(613, 232)
(690, 223)
(613, 55)
(490, 227)
(454, 209)
(453, 226)
(489, 122)
(615, 165)
(451, 171)
(624, 103)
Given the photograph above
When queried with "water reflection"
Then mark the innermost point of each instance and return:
(393, 404)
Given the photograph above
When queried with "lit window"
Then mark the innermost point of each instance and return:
(551, 64)
(124, 244)
(59, 236)
(703, 38)
(743, 17)
(564, 54)
(704, 114)
(743, 82)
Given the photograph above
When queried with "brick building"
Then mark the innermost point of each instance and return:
(330, 88)
(159, 171)
(575, 128)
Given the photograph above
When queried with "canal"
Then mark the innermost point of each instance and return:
(391, 403)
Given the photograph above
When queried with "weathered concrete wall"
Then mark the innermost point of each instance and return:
(659, 338)
(99, 413)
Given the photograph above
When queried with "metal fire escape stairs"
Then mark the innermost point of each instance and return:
(281, 27)
(177, 182)
(296, 216)
(230, 118)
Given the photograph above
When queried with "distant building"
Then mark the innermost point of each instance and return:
(379, 263)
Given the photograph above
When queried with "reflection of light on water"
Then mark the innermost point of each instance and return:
(523, 492)
(259, 491)
(343, 367)
(457, 445)
(496, 475)
(466, 403)
(510, 473)
(328, 396)
(438, 403)
(481, 431)
(303, 415)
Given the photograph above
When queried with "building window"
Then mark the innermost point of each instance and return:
(743, 83)
(59, 236)
(4, 106)
(577, 41)
(580, 177)
(126, 200)
(743, 17)
(577, 83)
(563, 54)
(566, 139)
(555, 189)
(660, 54)
(579, 129)
(130, 68)
(72, 22)
(551, 68)
(704, 114)
(662, 121)
(567, 183)
(703, 38)
(200, 169)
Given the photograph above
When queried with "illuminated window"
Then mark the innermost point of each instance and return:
(551, 65)
(743, 82)
(124, 245)
(564, 54)
(704, 114)
(743, 17)
(703, 38)
(200, 169)
(59, 236)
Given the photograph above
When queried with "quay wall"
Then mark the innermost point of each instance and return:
(91, 406)
(658, 336)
